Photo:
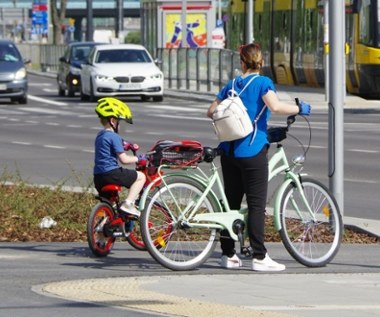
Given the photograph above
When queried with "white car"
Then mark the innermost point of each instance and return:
(121, 70)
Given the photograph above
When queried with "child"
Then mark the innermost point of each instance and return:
(109, 151)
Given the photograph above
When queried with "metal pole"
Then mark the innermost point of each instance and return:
(336, 99)
(120, 19)
(326, 47)
(249, 26)
(220, 10)
(184, 23)
(90, 25)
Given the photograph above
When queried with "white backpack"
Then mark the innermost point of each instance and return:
(230, 118)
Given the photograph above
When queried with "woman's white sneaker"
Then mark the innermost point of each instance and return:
(232, 262)
(267, 265)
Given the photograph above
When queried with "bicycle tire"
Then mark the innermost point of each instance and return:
(313, 243)
(134, 238)
(175, 244)
(100, 244)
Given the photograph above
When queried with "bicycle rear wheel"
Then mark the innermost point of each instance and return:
(171, 239)
(311, 239)
(100, 244)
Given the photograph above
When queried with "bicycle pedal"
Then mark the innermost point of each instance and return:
(117, 234)
(246, 251)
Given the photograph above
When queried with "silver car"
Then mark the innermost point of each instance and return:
(13, 75)
(121, 70)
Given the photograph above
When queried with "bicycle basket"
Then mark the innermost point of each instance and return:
(276, 134)
(177, 154)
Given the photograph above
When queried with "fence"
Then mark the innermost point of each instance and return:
(200, 69)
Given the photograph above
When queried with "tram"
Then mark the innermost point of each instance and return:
(292, 34)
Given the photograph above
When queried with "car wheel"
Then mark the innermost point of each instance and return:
(70, 91)
(61, 92)
(21, 100)
(83, 96)
(158, 98)
(92, 96)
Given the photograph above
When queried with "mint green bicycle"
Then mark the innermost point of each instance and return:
(305, 213)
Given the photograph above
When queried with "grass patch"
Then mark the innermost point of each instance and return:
(23, 206)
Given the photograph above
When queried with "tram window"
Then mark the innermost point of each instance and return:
(366, 33)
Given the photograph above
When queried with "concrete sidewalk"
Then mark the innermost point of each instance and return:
(348, 286)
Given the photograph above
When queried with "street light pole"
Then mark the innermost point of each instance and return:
(120, 18)
(336, 99)
(249, 26)
(90, 22)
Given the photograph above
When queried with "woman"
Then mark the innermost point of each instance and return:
(245, 162)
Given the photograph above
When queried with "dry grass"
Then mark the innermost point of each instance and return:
(22, 208)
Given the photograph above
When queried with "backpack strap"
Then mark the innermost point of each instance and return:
(255, 123)
(251, 80)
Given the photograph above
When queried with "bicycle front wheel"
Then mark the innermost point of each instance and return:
(134, 238)
(169, 235)
(311, 236)
(99, 241)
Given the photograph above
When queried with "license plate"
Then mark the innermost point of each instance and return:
(3, 87)
(129, 86)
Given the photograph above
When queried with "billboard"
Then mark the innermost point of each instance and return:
(196, 30)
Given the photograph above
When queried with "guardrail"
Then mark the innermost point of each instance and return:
(199, 69)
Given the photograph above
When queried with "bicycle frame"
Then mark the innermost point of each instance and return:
(225, 217)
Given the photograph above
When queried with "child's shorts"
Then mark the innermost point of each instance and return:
(120, 176)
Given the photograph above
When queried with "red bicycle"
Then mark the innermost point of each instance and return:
(105, 224)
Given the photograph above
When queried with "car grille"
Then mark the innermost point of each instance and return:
(137, 79)
(134, 79)
(122, 79)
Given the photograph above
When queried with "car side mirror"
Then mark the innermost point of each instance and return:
(62, 59)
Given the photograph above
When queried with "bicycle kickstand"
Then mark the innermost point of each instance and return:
(238, 228)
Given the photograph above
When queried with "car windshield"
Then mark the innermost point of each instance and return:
(8, 53)
(122, 56)
(80, 53)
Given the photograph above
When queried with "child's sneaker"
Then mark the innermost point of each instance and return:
(232, 262)
(130, 209)
(267, 265)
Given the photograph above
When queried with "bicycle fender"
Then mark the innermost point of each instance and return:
(277, 203)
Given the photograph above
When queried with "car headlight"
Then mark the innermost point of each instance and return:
(103, 78)
(156, 76)
(21, 73)
(74, 70)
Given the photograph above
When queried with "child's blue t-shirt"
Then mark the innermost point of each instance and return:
(252, 100)
(107, 145)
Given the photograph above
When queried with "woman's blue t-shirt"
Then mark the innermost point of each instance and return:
(107, 145)
(252, 100)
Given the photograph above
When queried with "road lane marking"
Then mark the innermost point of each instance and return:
(48, 101)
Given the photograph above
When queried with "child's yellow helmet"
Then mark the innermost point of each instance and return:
(111, 107)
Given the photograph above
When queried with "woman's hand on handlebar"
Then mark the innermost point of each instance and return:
(304, 108)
